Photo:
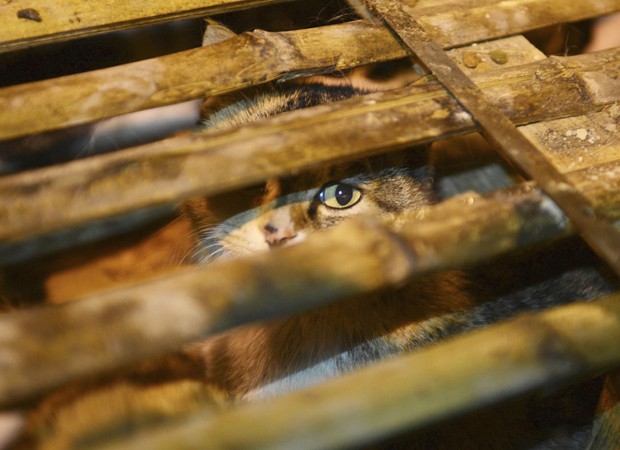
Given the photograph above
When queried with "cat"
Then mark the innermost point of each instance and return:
(271, 358)
(285, 211)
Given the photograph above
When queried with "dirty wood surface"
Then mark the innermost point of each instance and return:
(588, 144)
(578, 142)
(481, 20)
(43, 21)
(248, 59)
(174, 169)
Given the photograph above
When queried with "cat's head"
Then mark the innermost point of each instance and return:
(285, 211)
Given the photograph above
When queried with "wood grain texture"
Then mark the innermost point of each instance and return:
(248, 59)
(501, 132)
(481, 20)
(69, 19)
(45, 348)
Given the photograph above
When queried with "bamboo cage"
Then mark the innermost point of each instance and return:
(554, 117)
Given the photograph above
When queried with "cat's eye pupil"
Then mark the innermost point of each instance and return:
(339, 195)
(344, 194)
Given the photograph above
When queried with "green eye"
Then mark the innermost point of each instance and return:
(339, 195)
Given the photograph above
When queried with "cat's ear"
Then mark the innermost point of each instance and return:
(215, 32)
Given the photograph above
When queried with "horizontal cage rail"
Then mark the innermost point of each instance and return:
(411, 392)
(41, 21)
(600, 234)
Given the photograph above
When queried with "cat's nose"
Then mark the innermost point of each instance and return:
(275, 236)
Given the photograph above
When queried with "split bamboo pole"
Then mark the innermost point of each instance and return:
(500, 131)
(247, 59)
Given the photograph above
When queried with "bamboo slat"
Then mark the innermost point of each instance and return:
(43, 21)
(44, 348)
(414, 391)
(72, 18)
(47, 347)
(174, 169)
(249, 59)
(576, 143)
(40, 349)
(477, 58)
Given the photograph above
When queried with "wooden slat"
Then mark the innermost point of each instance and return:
(414, 391)
(68, 19)
(578, 142)
(516, 50)
(174, 169)
(588, 144)
(605, 433)
(250, 59)
(341, 416)
(497, 127)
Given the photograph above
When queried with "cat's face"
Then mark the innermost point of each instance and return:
(285, 212)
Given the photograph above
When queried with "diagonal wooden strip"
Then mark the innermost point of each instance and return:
(606, 427)
(501, 132)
